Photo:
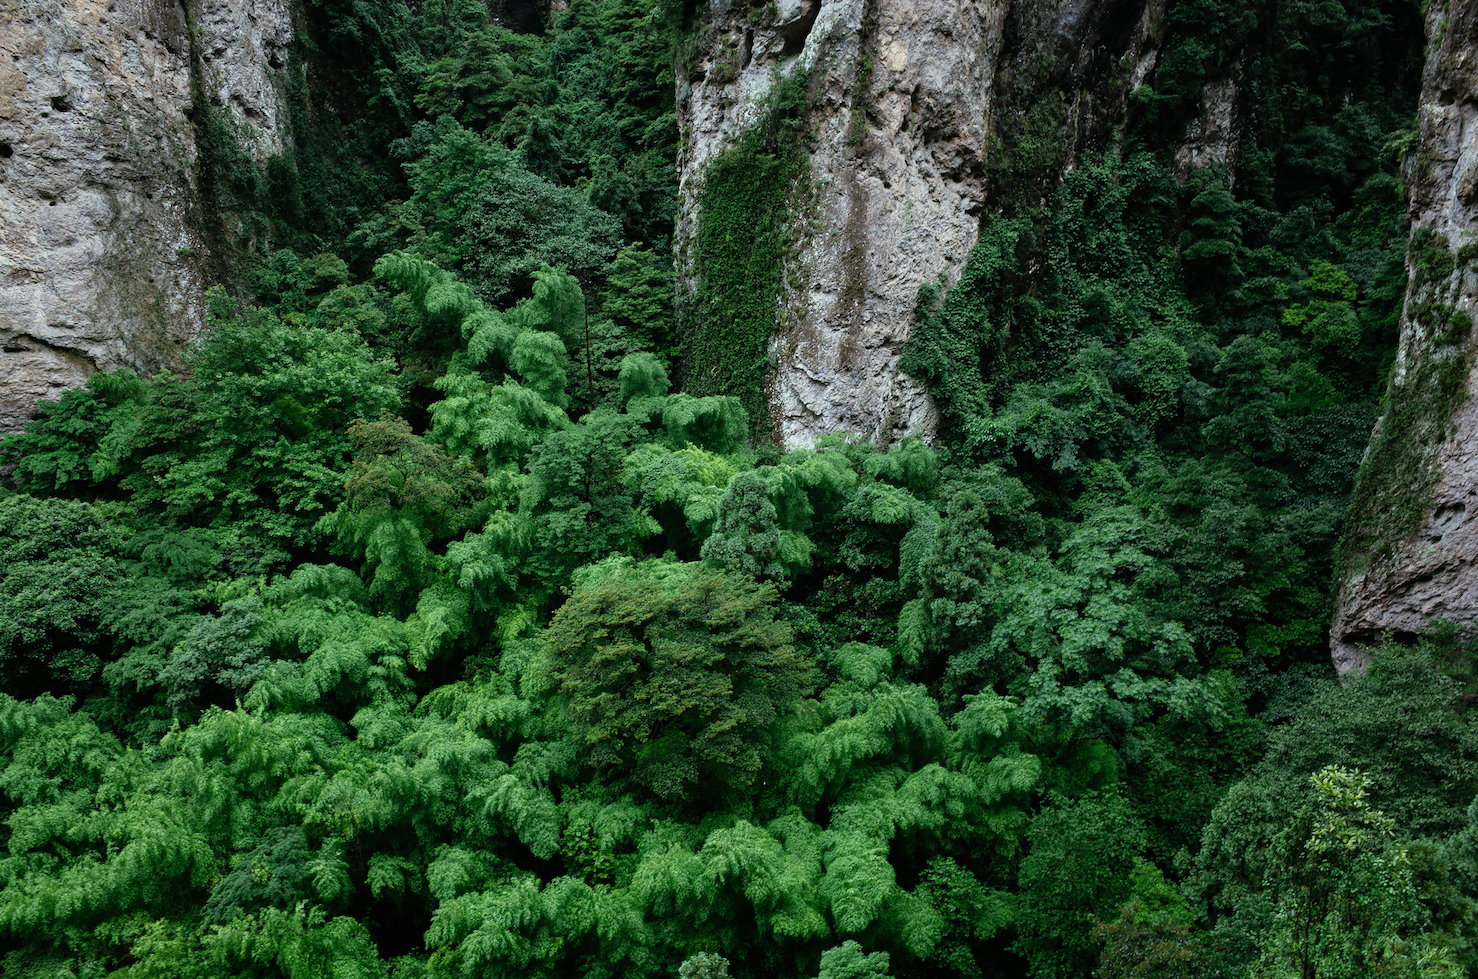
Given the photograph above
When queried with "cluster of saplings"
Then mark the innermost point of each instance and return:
(422, 624)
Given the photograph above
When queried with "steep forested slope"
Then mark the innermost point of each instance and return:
(438, 618)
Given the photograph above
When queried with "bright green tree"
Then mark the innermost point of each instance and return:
(1345, 900)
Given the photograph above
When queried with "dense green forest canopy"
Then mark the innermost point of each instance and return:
(426, 622)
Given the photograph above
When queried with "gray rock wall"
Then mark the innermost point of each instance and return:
(1408, 580)
(101, 257)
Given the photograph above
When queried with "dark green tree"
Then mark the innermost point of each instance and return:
(1082, 854)
(673, 674)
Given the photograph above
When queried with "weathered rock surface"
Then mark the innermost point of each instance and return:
(898, 194)
(101, 257)
(900, 160)
(243, 51)
(1431, 574)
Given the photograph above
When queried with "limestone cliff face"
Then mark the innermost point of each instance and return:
(905, 96)
(1425, 448)
(102, 258)
(899, 193)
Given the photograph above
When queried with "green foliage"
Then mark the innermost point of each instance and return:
(1348, 903)
(218, 650)
(1329, 318)
(274, 874)
(1089, 360)
(478, 211)
(1329, 84)
(1272, 835)
(402, 494)
(741, 246)
(673, 673)
(62, 576)
(1139, 944)
(53, 456)
(1209, 245)
(848, 961)
(1030, 149)
(643, 756)
(1078, 867)
(494, 81)
(704, 965)
(953, 341)
(642, 376)
(246, 444)
(747, 537)
(583, 106)
(639, 298)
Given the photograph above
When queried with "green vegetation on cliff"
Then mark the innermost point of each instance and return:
(745, 235)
